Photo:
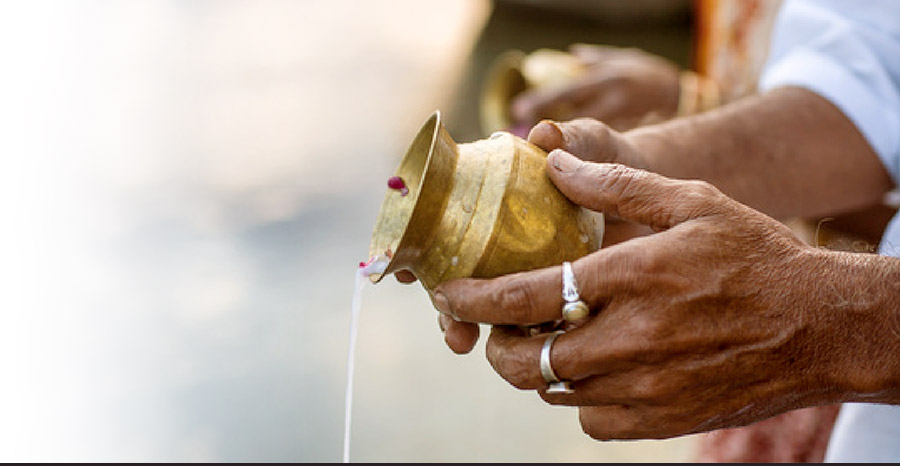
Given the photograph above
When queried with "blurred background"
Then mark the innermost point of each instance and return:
(187, 188)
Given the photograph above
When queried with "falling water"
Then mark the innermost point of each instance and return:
(374, 266)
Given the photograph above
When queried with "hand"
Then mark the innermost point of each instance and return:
(592, 140)
(624, 88)
(715, 321)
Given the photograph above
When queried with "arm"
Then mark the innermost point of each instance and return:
(788, 152)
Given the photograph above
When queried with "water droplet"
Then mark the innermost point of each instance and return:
(496, 134)
(454, 260)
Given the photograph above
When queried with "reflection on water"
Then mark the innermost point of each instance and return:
(188, 187)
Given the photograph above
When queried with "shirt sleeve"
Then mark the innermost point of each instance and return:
(849, 53)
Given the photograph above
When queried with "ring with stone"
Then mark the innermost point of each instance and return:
(555, 384)
(574, 309)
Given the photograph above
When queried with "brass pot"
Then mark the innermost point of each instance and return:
(480, 209)
(514, 72)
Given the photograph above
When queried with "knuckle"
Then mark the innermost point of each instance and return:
(601, 133)
(516, 300)
(650, 329)
(695, 198)
(623, 183)
(588, 138)
(700, 192)
(509, 365)
(615, 176)
(648, 389)
(646, 265)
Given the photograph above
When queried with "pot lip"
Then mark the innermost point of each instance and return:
(434, 120)
(495, 94)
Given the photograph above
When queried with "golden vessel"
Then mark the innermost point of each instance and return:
(514, 72)
(479, 209)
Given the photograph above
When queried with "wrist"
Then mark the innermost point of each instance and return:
(859, 308)
(649, 144)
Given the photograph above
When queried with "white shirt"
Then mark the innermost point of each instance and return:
(849, 52)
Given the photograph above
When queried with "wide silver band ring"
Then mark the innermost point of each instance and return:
(555, 384)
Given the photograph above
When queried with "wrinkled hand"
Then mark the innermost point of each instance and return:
(709, 323)
(624, 88)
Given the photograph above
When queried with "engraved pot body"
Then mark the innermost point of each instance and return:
(478, 209)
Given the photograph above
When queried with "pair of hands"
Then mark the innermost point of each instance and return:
(707, 322)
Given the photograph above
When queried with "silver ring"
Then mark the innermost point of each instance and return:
(574, 309)
(555, 385)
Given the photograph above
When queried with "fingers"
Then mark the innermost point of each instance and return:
(636, 195)
(550, 102)
(577, 355)
(404, 276)
(459, 336)
(618, 405)
(631, 422)
(548, 135)
(525, 298)
(619, 422)
(631, 384)
(516, 356)
(585, 137)
(535, 297)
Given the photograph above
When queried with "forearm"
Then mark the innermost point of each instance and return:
(857, 304)
(788, 152)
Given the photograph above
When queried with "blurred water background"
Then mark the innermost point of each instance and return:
(187, 187)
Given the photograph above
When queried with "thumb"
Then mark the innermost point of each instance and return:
(587, 138)
(632, 194)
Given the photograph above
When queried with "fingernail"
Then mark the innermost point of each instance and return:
(547, 135)
(553, 125)
(440, 302)
(563, 161)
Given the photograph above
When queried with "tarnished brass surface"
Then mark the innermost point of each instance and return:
(480, 209)
(514, 72)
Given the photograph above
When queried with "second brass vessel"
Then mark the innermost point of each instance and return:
(514, 72)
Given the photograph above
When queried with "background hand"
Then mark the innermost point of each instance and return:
(622, 87)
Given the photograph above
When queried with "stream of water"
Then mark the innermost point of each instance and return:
(374, 266)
